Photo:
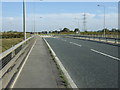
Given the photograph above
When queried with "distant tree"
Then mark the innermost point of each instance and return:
(118, 30)
(71, 31)
(44, 32)
(49, 31)
(114, 30)
(56, 31)
(11, 31)
(65, 30)
(99, 31)
(86, 31)
(77, 30)
(106, 30)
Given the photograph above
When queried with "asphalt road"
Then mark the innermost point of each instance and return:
(90, 64)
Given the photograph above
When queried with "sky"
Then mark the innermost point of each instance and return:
(50, 16)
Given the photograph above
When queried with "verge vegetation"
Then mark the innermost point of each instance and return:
(10, 38)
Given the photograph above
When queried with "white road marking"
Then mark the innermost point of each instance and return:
(76, 44)
(18, 74)
(63, 40)
(65, 72)
(105, 54)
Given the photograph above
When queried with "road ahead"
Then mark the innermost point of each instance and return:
(90, 64)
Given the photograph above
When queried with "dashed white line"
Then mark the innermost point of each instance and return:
(105, 54)
(63, 40)
(76, 44)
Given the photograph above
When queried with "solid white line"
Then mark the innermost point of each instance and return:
(105, 54)
(18, 74)
(70, 81)
(76, 44)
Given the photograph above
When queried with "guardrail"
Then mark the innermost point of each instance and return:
(11, 59)
(106, 39)
(101, 39)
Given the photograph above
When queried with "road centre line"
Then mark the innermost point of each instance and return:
(105, 54)
(76, 44)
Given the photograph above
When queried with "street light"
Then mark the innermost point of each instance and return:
(40, 17)
(104, 17)
(24, 19)
(11, 22)
(78, 22)
(35, 18)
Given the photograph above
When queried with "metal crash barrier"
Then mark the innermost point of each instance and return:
(94, 38)
(11, 60)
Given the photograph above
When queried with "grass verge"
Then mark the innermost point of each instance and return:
(8, 43)
(61, 74)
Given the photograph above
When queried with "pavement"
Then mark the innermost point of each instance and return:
(39, 71)
(90, 64)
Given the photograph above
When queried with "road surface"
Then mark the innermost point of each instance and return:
(90, 64)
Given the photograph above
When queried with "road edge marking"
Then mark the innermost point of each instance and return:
(68, 77)
(105, 54)
(18, 74)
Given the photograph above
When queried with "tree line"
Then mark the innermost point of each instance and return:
(77, 31)
(12, 35)
(15, 34)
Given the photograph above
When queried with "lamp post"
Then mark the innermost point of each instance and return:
(40, 17)
(11, 22)
(34, 24)
(35, 18)
(78, 23)
(77, 20)
(24, 19)
(104, 18)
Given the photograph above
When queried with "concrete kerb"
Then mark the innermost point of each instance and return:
(67, 76)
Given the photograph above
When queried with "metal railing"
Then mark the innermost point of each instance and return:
(94, 38)
(11, 59)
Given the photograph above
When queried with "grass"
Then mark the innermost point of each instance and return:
(61, 74)
(8, 43)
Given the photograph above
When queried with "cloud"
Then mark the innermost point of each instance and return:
(55, 21)
(61, 15)
(61, 0)
(113, 7)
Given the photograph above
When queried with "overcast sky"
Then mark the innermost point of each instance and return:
(57, 15)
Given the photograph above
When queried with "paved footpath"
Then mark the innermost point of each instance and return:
(38, 71)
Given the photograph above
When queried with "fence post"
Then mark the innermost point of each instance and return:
(99, 39)
(106, 39)
(115, 40)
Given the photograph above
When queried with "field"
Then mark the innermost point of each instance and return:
(9, 39)
(8, 43)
